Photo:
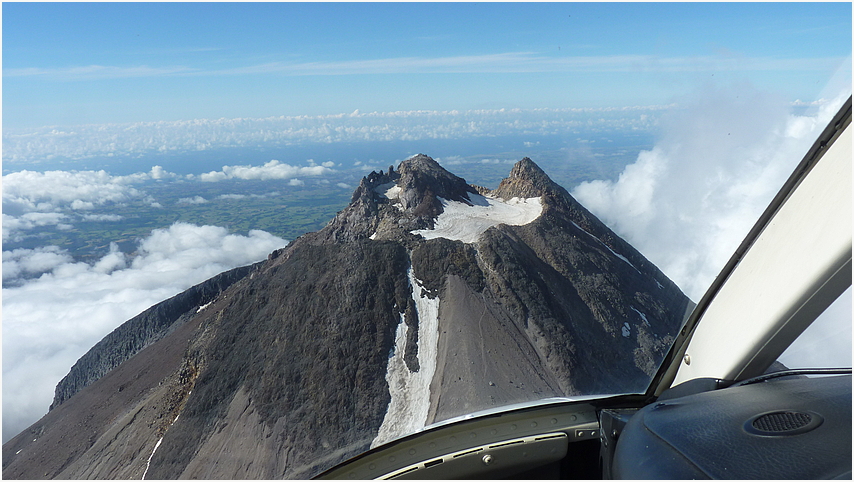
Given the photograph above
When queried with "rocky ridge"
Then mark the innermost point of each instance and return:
(141, 331)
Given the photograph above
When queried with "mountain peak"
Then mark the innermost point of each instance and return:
(422, 162)
(423, 179)
(526, 168)
(390, 205)
(526, 180)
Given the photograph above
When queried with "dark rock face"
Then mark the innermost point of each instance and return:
(423, 180)
(286, 373)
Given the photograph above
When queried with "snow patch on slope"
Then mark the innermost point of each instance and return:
(462, 222)
(390, 191)
(642, 315)
(410, 391)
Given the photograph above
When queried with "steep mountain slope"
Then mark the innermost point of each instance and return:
(142, 330)
(426, 298)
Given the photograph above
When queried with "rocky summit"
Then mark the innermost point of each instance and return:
(425, 299)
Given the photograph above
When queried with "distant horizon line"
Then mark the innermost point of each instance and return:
(357, 113)
(503, 62)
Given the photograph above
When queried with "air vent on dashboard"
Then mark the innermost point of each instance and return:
(783, 422)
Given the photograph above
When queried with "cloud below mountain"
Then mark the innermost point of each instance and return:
(34, 199)
(270, 170)
(687, 203)
(49, 322)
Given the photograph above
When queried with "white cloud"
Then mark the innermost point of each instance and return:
(827, 341)
(244, 196)
(13, 226)
(270, 170)
(213, 176)
(33, 199)
(49, 322)
(102, 217)
(27, 191)
(112, 261)
(687, 203)
(157, 172)
(192, 200)
(451, 160)
(33, 261)
(77, 204)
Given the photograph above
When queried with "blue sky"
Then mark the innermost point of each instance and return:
(75, 63)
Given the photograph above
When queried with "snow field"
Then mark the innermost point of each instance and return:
(410, 391)
(465, 223)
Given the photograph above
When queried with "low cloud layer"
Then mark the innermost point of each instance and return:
(49, 322)
(28, 191)
(60, 198)
(687, 203)
(33, 199)
(86, 141)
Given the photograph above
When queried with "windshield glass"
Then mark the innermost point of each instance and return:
(827, 341)
(510, 204)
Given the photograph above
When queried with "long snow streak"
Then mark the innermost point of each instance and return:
(462, 222)
(410, 391)
(148, 464)
(611, 250)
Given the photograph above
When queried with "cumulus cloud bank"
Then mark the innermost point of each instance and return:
(33, 199)
(33, 261)
(687, 203)
(49, 322)
(28, 191)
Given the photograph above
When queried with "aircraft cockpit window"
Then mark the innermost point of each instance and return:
(827, 341)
